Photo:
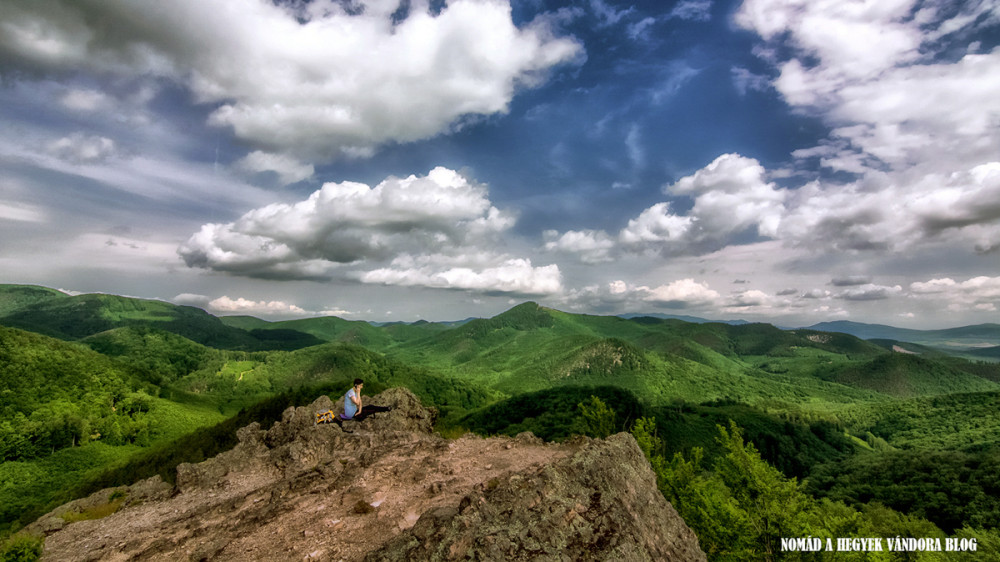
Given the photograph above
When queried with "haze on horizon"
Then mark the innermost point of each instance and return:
(787, 161)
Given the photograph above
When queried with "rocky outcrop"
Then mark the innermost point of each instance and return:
(382, 489)
(600, 503)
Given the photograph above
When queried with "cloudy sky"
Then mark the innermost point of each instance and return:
(790, 161)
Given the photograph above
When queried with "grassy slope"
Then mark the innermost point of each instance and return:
(13, 297)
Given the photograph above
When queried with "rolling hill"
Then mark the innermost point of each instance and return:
(77, 317)
(13, 297)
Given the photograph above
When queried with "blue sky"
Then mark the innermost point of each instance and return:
(788, 161)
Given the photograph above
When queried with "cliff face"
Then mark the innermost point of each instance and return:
(387, 490)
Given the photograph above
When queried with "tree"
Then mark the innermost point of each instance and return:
(598, 418)
(772, 502)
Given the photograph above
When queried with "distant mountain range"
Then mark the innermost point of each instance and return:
(685, 318)
(981, 340)
(60, 315)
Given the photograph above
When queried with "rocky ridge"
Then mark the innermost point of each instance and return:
(383, 489)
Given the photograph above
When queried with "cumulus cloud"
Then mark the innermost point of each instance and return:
(516, 276)
(325, 79)
(685, 294)
(883, 212)
(241, 305)
(591, 246)
(733, 203)
(748, 299)
(682, 293)
(731, 197)
(620, 296)
(978, 293)
(916, 125)
(435, 231)
(655, 225)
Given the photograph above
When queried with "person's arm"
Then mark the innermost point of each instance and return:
(356, 398)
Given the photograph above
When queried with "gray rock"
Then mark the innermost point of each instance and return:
(599, 504)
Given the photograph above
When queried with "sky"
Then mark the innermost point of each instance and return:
(785, 161)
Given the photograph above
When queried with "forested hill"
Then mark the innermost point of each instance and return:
(13, 297)
(77, 317)
(58, 394)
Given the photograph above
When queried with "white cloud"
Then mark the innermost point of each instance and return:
(869, 292)
(869, 69)
(240, 305)
(978, 293)
(655, 225)
(83, 149)
(683, 293)
(437, 231)
(336, 311)
(882, 212)
(516, 276)
(307, 80)
(85, 100)
(288, 169)
(731, 195)
(919, 129)
(731, 198)
(591, 246)
(619, 296)
(352, 222)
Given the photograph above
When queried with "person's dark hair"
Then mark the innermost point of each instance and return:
(358, 381)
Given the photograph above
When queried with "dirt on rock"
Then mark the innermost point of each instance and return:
(383, 489)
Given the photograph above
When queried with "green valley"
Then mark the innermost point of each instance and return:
(100, 389)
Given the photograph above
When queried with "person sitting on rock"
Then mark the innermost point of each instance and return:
(353, 409)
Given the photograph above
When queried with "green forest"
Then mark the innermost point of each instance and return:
(756, 434)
